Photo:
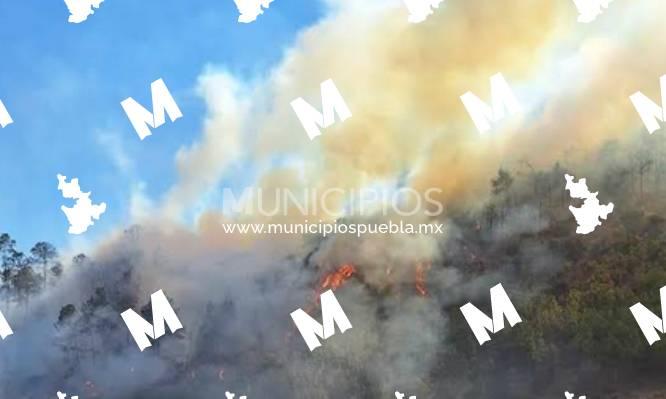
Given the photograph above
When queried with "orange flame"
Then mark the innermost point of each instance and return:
(336, 279)
(339, 277)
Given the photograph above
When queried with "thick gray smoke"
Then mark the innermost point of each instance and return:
(234, 298)
(235, 306)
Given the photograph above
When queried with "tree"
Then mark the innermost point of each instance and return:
(6, 242)
(500, 188)
(556, 180)
(25, 282)
(7, 245)
(490, 213)
(57, 269)
(79, 259)
(539, 180)
(18, 278)
(66, 314)
(20, 275)
(502, 183)
(643, 163)
(44, 253)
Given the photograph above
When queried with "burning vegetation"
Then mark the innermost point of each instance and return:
(235, 322)
(336, 278)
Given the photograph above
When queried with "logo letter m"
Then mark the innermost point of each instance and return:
(142, 119)
(162, 312)
(501, 307)
(5, 119)
(482, 113)
(648, 110)
(331, 101)
(649, 322)
(5, 329)
(331, 313)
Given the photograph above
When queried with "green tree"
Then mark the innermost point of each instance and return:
(26, 282)
(7, 245)
(500, 187)
(44, 253)
(502, 183)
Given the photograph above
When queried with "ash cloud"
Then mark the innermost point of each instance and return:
(235, 306)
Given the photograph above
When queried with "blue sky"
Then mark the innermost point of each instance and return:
(63, 83)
